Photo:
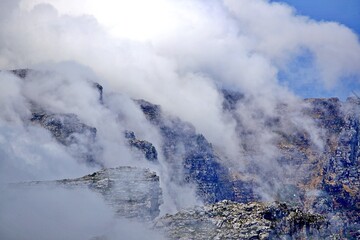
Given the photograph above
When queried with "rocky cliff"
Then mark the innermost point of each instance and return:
(190, 155)
(326, 182)
(338, 175)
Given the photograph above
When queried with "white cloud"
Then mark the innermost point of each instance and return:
(279, 34)
(173, 53)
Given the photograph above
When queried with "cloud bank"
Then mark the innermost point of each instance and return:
(50, 213)
(205, 46)
(212, 44)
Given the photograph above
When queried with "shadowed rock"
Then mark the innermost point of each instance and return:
(190, 156)
(143, 146)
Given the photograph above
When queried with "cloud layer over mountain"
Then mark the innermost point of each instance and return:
(178, 54)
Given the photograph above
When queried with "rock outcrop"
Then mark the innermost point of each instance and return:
(68, 130)
(229, 220)
(145, 147)
(132, 192)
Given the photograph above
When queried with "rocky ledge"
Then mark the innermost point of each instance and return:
(132, 192)
(230, 220)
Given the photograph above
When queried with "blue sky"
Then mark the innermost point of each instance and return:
(346, 12)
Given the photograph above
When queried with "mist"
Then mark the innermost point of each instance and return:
(177, 54)
(184, 73)
(58, 213)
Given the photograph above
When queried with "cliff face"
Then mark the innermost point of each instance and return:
(327, 179)
(340, 174)
(190, 156)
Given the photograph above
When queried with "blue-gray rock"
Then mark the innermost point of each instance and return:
(71, 132)
(145, 147)
(198, 162)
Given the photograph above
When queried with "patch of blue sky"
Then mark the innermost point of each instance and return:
(346, 12)
(302, 77)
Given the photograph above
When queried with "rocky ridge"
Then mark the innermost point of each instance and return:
(230, 220)
(330, 177)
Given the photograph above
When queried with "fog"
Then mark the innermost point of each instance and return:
(178, 54)
(57, 213)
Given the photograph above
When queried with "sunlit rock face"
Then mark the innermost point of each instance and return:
(330, 177)
(229, 220)
(340, 173)
(326, 180)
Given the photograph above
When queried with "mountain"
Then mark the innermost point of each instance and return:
(317, 183)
